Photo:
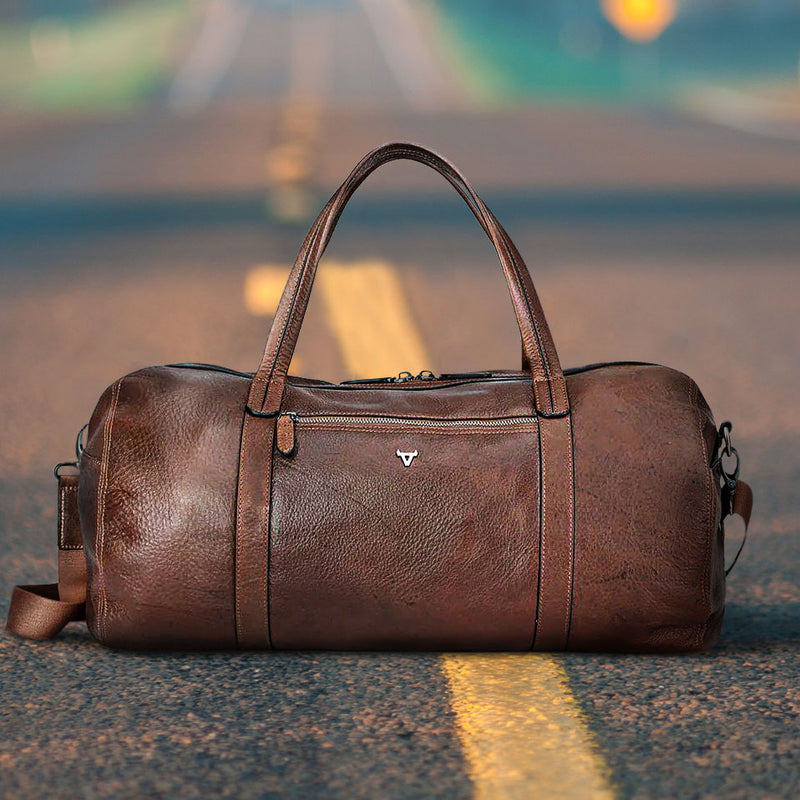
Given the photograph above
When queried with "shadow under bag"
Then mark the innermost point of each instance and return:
(535, 509)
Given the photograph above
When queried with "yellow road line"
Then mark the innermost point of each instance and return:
(371, 318)
(521, 729)
(263, 287)
(289, 163)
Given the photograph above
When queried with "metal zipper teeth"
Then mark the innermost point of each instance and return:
(416, 423)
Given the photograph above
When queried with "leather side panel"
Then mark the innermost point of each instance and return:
(646, 519)
(160, 539)
(87, 509)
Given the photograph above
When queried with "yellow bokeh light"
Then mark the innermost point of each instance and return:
(640, 20)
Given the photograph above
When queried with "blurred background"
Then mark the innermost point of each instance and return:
(160, 163)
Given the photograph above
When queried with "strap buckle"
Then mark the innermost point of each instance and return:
(729, 475)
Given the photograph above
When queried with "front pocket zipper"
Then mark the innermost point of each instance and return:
(289, 422)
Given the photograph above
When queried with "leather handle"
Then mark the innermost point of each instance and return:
(479, 214)
(549, 387)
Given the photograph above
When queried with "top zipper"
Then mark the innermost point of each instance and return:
(424, 377)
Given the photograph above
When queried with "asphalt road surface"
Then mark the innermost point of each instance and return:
(155, 237)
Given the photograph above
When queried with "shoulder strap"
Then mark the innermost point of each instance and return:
(40, 612)
(741, 504)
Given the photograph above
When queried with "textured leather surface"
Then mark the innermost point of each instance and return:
(556, 535)
(157, 501)
(368, 553)
(648, 559)
(71, 562)
(536, 510)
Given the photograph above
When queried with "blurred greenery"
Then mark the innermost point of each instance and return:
(110, 58)
(511, 50)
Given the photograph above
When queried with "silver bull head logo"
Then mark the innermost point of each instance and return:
(407, 457)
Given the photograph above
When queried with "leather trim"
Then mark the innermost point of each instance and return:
(102, 601)
(708, 511)
(556, 534)
(69, 529)
(36, 612)
(251, 557)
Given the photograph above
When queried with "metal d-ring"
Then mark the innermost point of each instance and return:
(725, 449)
(79, 448)
(60, 464)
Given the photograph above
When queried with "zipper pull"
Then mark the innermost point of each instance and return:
(425, 375)
(403, 377)
(452, 376)
(370, 380)
(285, 437)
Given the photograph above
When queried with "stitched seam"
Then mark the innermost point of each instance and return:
(237, 532)
(101, 501)
(62, 545)
(541, 532)
(543, 577)
(571, 534)
(238, 537)
(701, 629)
(61, 515)
(268, 523)
(262, 552)
(263, 531)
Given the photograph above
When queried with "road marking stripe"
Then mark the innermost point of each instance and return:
(373, 323)
(263, 287)
(398, 35)
(521, 729)
(213, 53)
(289, 162)
(762, 116)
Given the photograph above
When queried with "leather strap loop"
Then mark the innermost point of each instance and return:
(556, 535)
(37, 612)
(41, 611)
(547, 377)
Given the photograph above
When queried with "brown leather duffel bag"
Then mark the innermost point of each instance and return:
(540, 509)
